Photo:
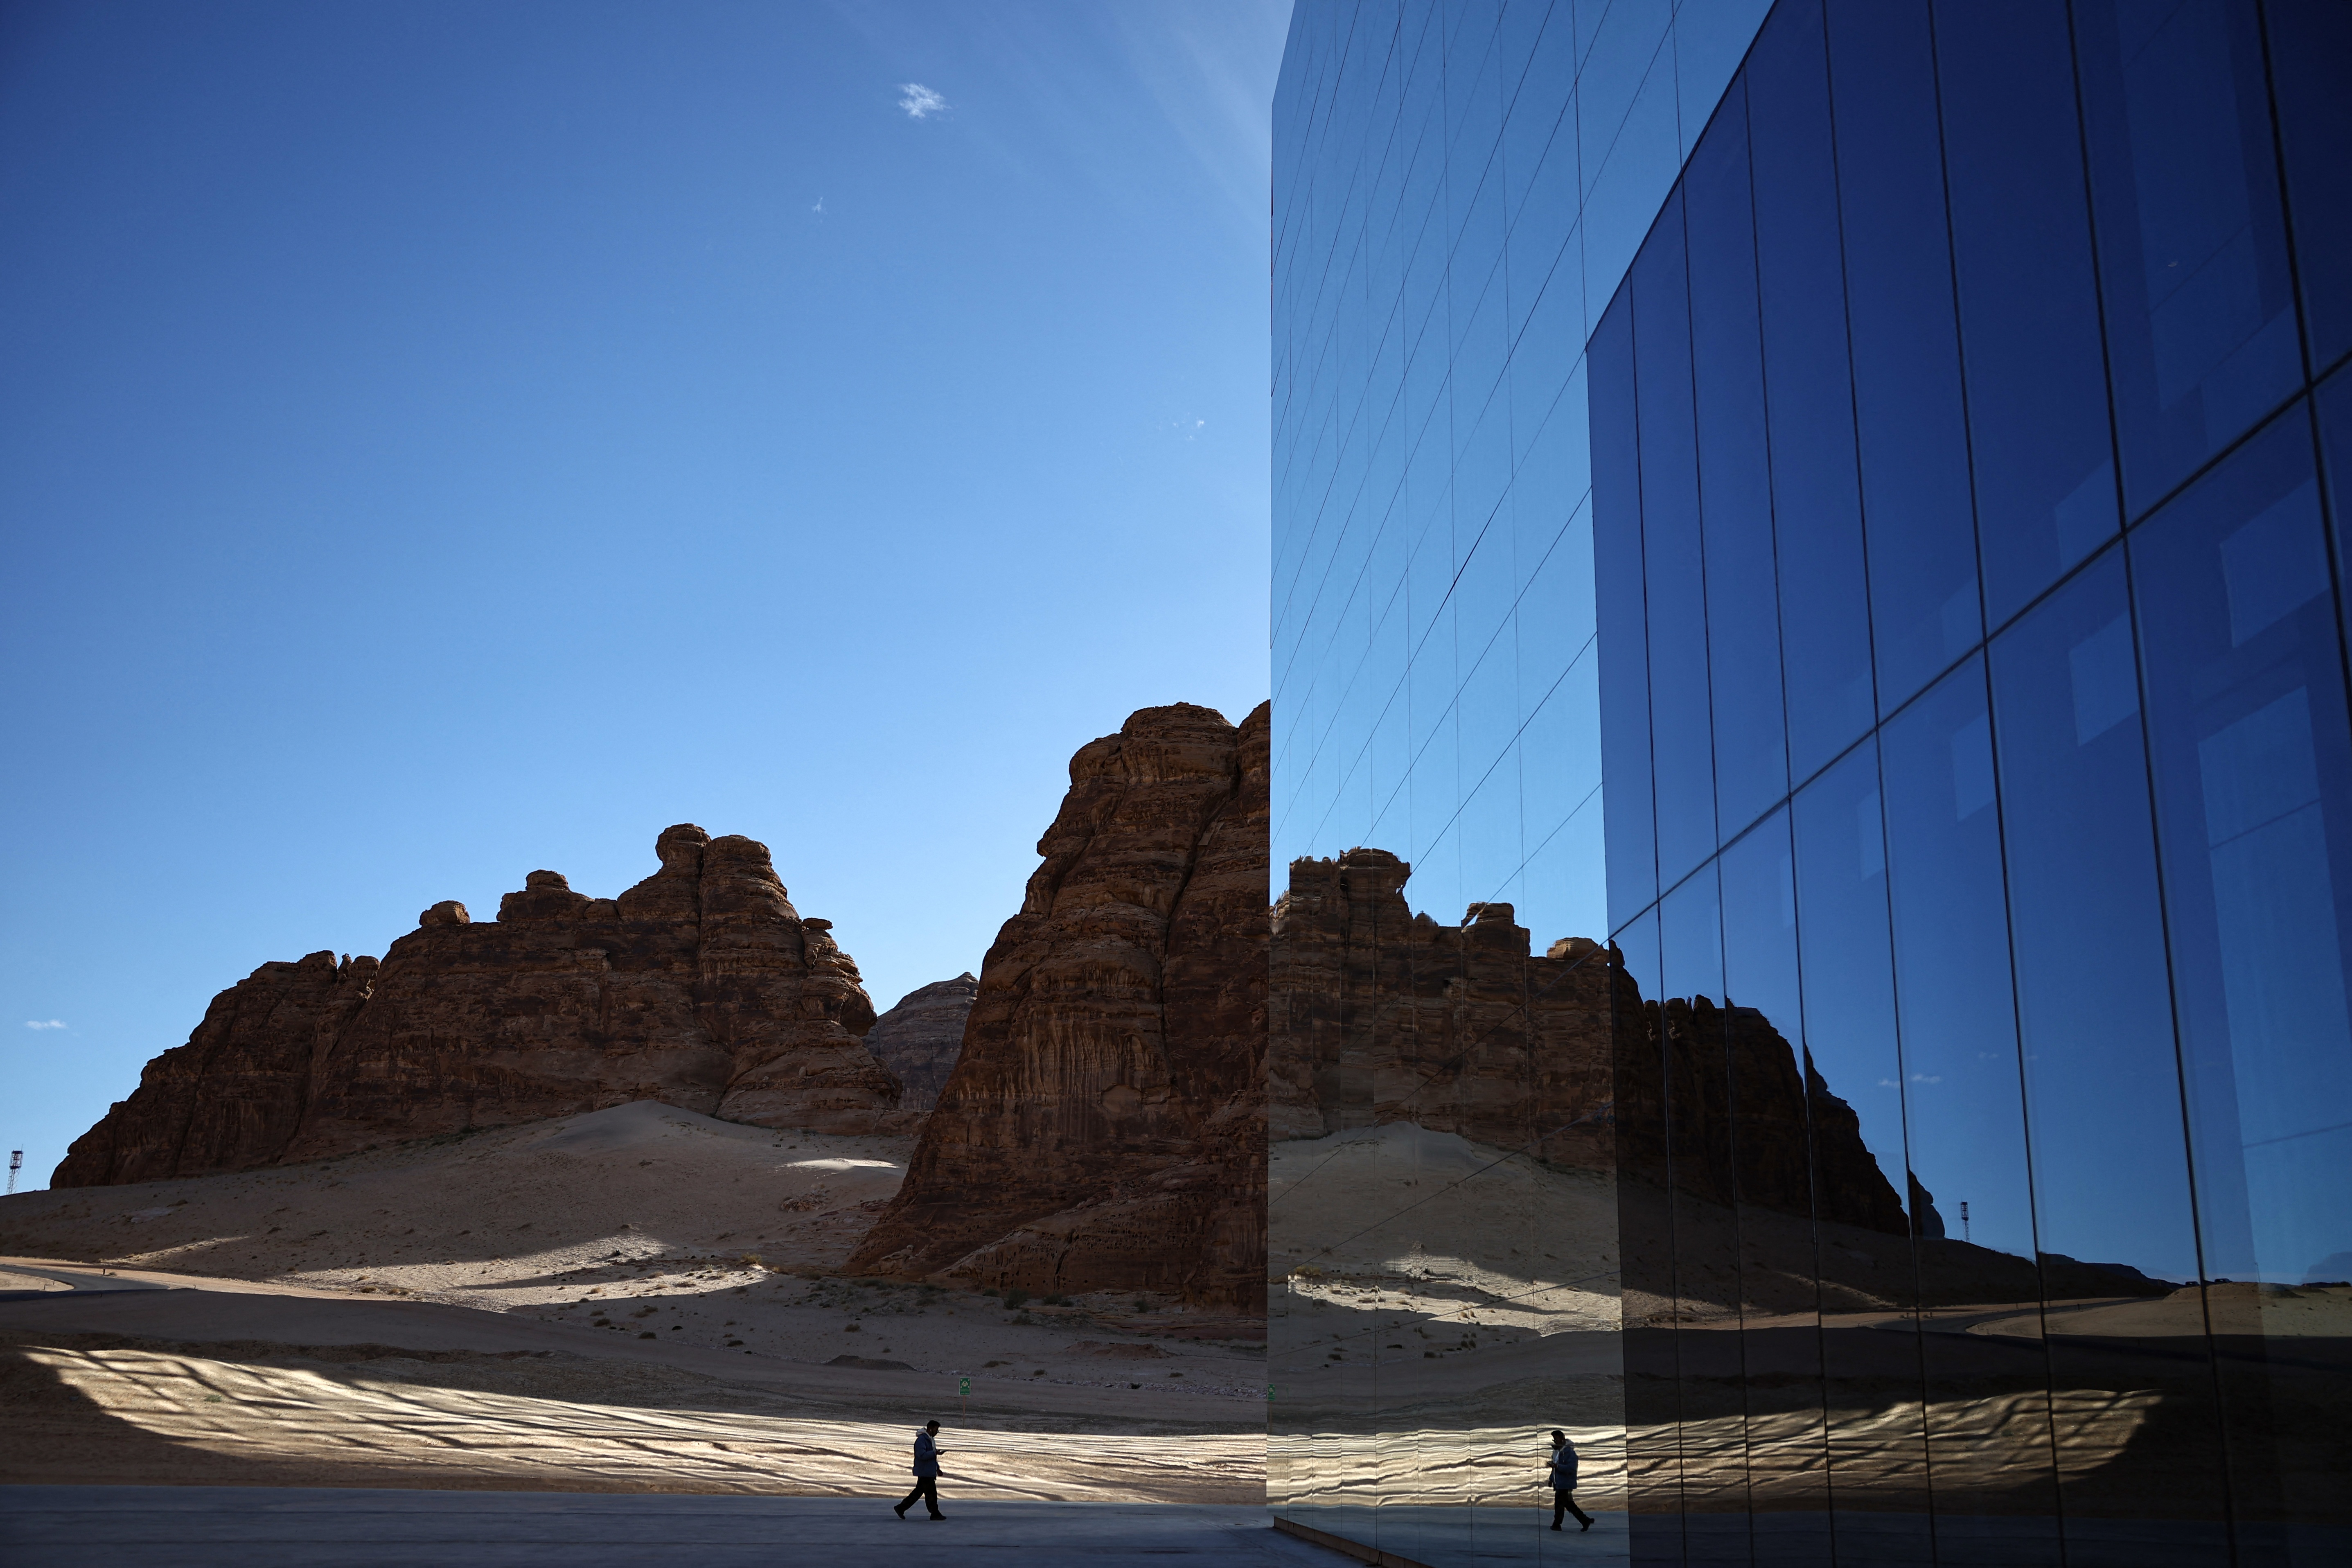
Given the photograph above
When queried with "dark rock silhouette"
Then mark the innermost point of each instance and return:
(920, 1038)
(1381, 1014)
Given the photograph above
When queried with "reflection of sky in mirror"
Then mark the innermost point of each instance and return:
(1434, 681)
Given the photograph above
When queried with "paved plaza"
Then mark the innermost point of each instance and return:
(267, 1527)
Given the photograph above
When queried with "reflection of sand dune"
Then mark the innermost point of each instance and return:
(1440, 1222)
(2274, 1311)
(1980, 1446)
(265, 1412)
(1480, 1465)
(1774, 1460)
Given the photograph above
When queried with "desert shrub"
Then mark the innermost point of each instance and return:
(1015, 1298)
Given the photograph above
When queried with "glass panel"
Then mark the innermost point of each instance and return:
(1707, 1249)
(1824, 630)
(2334, 406)
(2192, 254)
(1623, 631)
(1923, 610)
(1681, 738)
(1653, 1476)
(2310, 59)
(1743, 619)
(1988, 1394)
(2254, 768)
(1870, 1350)
(1781, 1344)
(2038, 426)
(2123, 1316)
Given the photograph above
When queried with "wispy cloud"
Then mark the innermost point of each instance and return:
(45, 1023)
(920, 101)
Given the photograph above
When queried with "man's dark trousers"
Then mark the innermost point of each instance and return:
(928, 1488)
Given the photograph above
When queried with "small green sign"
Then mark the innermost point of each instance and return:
(1270, 1394)
(963, 1387)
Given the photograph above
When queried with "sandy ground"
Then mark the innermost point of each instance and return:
(636, 1299)
(642, 1221)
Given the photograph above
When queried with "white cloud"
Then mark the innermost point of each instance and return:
(920, 101)
(45, 1023)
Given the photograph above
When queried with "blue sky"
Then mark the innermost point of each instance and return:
(441, 441)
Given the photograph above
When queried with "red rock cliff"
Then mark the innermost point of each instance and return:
(701, 986)
(1104, 1127)
(1381, 1014)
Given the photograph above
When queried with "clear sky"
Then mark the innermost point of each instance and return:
(439, 441)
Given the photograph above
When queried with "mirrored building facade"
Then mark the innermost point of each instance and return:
(1811, 756)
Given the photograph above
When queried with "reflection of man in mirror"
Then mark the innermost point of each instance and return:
(1563, 1481)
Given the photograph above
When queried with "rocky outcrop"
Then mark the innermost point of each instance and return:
(1104, 1126)
(701, 987)
(919, 1039)
(1381, 1014)
(1715, 1103)
(233, 1096)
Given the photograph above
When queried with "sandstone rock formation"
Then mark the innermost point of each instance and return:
(1381, 1014)
(919, 1039)
(1104, 1127)
(701, 986)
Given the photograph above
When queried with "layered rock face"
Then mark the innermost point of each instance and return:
(919, 1039)
(1381, 1014)
(701, 986)
(1104, 1126)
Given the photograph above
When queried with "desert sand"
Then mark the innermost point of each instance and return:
(634, 1299)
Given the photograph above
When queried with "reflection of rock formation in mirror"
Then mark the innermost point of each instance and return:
(1791, 1332)
(1442, 1219)
(1387, 1016)
(1509, 1191)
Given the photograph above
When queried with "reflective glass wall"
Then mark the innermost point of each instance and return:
(1969, 442)
(1458, 190)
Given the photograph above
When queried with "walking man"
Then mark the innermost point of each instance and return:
(1563, 1482)
(926, 1472)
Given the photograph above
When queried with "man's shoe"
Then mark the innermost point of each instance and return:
(901, 1510)
(1555, 1527)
